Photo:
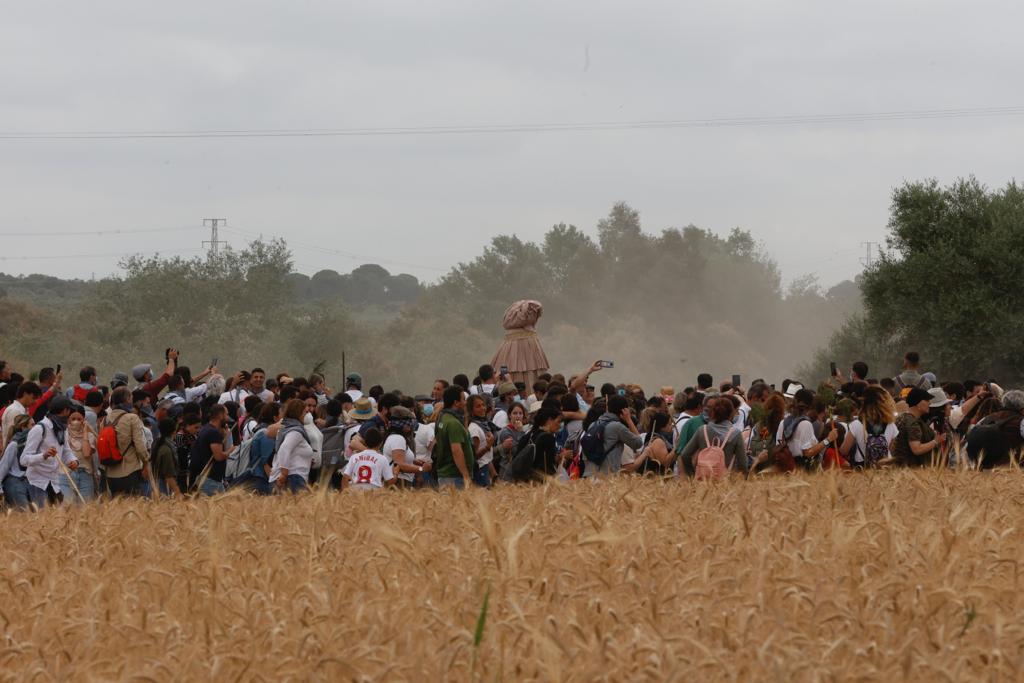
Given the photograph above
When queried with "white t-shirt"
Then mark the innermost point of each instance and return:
(368, 470)
(13, 411)
(266, 395)
(249, 428)
(485, 389)
(802, 439)
(424, 438)
(397, 442)
(477, 432)
(236, 395)
(740, 422)
(860, 436)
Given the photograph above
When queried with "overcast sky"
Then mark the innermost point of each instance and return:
(418, 204)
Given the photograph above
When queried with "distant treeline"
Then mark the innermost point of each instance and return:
(662, 306)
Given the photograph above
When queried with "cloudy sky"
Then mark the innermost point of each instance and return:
(812, 192)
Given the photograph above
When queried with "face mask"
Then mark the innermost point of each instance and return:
(428, 410)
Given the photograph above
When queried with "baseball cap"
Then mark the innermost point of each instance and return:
(917, 395)
(354, 378)
(506, 388)
(139, 371)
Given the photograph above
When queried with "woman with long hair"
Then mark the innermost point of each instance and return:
(293, 452)
(657, 455)
(870, 436)
(762, 436)
(511, 433)
(483, 439)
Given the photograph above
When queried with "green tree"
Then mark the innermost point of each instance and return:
(946, 285)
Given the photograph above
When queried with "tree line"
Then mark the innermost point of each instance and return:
(663, 305)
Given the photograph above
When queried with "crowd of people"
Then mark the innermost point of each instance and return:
(177, 434)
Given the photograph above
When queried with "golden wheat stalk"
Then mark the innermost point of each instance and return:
(67, 473)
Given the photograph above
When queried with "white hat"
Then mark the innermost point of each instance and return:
(938, 397)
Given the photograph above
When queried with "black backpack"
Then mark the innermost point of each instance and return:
(989, 443)
(592, 442)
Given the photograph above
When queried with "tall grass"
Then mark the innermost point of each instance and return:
(890, 575)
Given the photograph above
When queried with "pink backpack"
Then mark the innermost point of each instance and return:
(710, 461)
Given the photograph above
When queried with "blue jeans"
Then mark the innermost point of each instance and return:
(40, 497)
(211, 487)
(258, 485)
(161, 486)
(296, 483)
(83, 480)
(16, 492)
(482, 476)
(451, 482)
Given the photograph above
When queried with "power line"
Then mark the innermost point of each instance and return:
(215, 225)
(713, 122)
(327, 250)
(88, 233)
(54, 257)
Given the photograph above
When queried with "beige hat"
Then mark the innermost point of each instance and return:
(362, 410)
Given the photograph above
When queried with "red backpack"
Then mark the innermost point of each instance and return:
(710, 461)
(106, 444)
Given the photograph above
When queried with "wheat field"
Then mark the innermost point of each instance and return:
(884, 576)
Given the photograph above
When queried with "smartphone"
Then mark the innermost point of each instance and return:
(735, 381)
(605, 364)
(58, 368)
(213, 362)
(832, 368)
(504, 369)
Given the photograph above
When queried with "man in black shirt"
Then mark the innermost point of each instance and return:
(209, 445)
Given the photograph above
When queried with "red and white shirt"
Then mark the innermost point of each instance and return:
(368, 470)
